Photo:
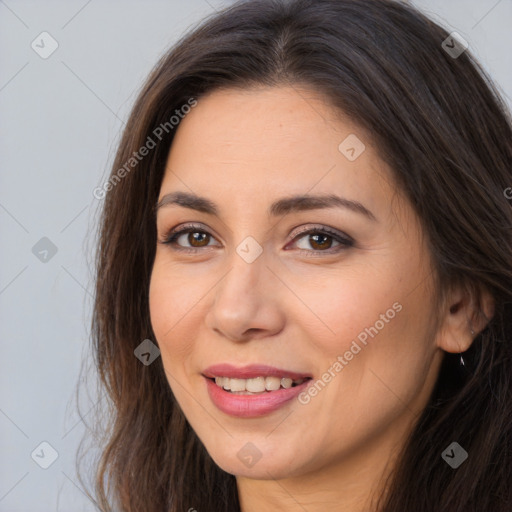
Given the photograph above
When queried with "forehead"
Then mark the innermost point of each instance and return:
(264, 121)
(269, 141)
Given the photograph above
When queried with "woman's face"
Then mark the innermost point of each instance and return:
(350, 306)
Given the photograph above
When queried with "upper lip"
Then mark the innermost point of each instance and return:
(250, 371)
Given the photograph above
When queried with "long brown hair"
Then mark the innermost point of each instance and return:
(438, 121)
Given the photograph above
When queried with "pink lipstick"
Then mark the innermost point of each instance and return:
(254, 390)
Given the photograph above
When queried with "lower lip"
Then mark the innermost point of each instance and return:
(250, 406)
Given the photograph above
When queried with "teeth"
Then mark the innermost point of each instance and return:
(256, 385)
(286, 382)
(272, 383)
(236, 384)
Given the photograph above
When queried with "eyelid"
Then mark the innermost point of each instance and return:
(323, 229)
(190, 226)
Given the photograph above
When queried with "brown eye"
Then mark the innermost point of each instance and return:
(321, 240)
(197, 237)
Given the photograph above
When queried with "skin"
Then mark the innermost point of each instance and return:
(244, 149)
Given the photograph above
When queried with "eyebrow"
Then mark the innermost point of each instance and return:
(280, 207)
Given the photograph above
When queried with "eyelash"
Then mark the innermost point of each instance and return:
(344, 240)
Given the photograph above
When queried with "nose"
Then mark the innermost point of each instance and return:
(247, 301)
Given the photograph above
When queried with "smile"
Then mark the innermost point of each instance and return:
(256, 385)
(254, 390)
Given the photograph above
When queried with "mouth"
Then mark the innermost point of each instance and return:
(256, 385)
(254, 390)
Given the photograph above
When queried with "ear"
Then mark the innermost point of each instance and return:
(465, 313)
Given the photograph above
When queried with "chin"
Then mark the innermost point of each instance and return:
(264, 463)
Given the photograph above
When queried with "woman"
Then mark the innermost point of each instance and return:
(304, 274)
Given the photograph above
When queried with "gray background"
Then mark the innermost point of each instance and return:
(60, 120)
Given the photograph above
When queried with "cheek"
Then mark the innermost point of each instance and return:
(160, 301)
(373, 330)
(390, 302)
(342, 308)
(371, 373)
(174, 296)
(383, 355)
(171, 302)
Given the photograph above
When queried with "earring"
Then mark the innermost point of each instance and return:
(462, 363)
